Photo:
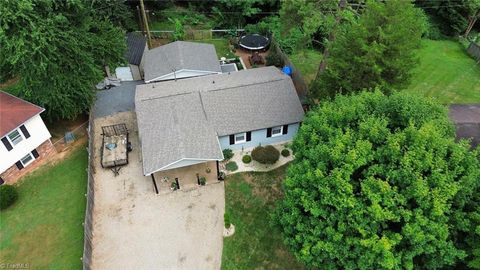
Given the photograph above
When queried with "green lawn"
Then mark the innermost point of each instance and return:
(307, 61)
(44, 227)
(256, 244)
(221, 46)
(446, 73)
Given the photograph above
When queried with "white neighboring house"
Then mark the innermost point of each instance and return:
(180, 59)
(25, 140)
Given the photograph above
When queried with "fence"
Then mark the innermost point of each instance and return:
(193, 34)
(474, 51)
(88, 223)
(71, 136)
(298, 81)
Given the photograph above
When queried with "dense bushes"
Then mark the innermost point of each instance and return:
(285, 153)
(273, 58)
(265, 155)
(231, 166)
(246, 159)
(383, 184)
(8, 195)
(227, 154)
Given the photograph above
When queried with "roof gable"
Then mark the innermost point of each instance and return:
(180, 55)
(14, 112)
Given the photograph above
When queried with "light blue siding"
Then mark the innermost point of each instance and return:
(259, 137)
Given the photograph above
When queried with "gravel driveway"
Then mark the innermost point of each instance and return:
(136, 229)
(467, 121)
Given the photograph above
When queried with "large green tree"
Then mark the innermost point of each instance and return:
(378, 182)
(377, 50)
(451, 16)
(58, 49)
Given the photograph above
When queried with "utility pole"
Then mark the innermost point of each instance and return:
(331, 37)
(145, 24)
(142, 28)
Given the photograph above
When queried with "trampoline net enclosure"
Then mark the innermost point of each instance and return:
(254, 42)
(114, 146)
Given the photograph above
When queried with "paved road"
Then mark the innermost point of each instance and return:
(467, 121)
(117, 99)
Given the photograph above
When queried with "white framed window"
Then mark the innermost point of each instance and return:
(15, 137)
(277, 131)
(240, 137)
(27, 159)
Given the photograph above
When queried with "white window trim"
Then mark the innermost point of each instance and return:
(242, 141)
(26, 164)
(21, 136)
(278, 134)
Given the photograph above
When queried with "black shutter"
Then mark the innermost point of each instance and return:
(25, 131)
(269, 132)
(232, 139)
(249, 136)
(7, 144)
(19, 165)
(285, 129)
(35, 153)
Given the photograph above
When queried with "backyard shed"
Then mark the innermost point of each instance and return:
(180, 59)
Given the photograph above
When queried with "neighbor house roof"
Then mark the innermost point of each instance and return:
(183, 119)
(136, 43)
(14, 112)
(180, 55)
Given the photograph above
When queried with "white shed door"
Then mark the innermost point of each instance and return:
(124, 73)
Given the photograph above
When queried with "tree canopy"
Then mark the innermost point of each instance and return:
(58, 49)
(377, 50)
(451, 16)
(378, 182)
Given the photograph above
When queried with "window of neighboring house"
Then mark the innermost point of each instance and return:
(15, 137)
(27, 159)
(240, 138)
(277, 131)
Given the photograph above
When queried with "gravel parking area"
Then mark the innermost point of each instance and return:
(117, 99)
(136, 229)
(467, 121)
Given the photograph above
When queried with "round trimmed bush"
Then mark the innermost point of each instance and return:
(231, 166)
(8, 195)
(227, 154)
(246, 159)
(265, 155)
(285, 153)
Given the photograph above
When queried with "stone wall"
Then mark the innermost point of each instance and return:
(13, 174)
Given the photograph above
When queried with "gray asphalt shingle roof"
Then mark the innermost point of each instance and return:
(136, 43)
(180, 55)
(182, 119)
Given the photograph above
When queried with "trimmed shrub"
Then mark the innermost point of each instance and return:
(202, 181)
(231, 166)
(273, 58)
(227, 154)
(246, 159)
(265, 155)
(285, 153)
(8, 195)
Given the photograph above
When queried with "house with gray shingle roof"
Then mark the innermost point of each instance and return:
(180, 59)
(187, 122)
